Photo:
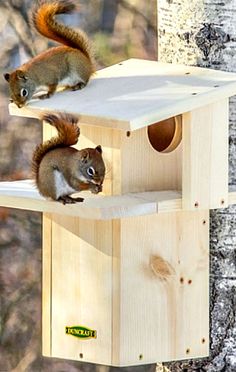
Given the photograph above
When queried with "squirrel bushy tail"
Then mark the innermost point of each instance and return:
(68, 134)
(43, 20)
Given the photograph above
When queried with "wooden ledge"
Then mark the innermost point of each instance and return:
(135, 93)
(24, 195)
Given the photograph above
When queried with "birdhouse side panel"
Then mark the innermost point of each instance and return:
(164, 290)
(205, 157)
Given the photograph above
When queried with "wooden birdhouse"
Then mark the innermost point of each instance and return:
(126, 273)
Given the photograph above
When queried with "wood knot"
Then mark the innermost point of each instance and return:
(161, 268)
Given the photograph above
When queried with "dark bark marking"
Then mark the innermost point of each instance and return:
(210, 37)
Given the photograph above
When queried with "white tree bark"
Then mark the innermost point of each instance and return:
(203, 33)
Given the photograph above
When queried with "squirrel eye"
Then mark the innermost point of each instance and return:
(24, 92)
(91, 171)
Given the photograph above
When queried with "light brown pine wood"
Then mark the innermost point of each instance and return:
(132, 163)
(81, 287)
(145, 169)
(205, 154)
(103, 277)
(46, 284)
(46, 271)
(19, 195)
(135, 93)
(162, 318)
(22, 195)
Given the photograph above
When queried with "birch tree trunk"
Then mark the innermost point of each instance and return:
(203, 33)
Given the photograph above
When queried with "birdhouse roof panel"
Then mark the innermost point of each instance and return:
(136, 93)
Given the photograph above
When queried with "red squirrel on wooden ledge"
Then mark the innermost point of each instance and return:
(60, 170)
(68, 66)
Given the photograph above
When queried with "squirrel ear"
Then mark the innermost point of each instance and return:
(99, 148)
(7, 76)
(85, 155)
(21, 75)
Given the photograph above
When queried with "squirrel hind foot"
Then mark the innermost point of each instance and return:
(78, 86)
(69, 200)
(51, 90)
(44, 96)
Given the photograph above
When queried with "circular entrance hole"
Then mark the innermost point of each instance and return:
(166, 135)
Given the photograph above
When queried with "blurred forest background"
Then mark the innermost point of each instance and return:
(119, 29)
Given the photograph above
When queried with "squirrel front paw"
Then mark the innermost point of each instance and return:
(66, 199)
(95, 189)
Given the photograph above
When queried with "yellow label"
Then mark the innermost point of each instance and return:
(81, 332)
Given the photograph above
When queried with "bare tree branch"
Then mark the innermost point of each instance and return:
(21, 28)
(135, 11)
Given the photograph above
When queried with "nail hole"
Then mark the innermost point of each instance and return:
(187, 73)
(140, 356)
(81, 355)
(194, 94)
(128, 133)
(204, 222)
(181, 280)
(203, 340)
(216, 86)
(222, 202)
(187, 351)
(120, 64)
(196, 204)
(189, 281)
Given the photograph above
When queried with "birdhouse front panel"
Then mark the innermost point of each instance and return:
(127, 292)
(77, 290)
(133, 165)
